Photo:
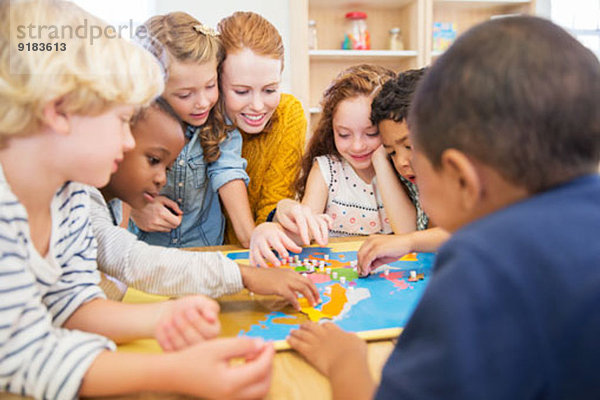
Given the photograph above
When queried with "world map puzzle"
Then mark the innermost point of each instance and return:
(375, 306)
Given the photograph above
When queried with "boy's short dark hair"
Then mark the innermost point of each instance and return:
(520, 95)
(395, 96)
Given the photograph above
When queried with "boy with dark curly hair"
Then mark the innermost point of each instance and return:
(389, 112)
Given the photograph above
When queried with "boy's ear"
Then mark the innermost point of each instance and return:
(55, 118)
(464, 176)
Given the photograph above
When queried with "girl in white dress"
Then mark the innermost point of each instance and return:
(345, 172)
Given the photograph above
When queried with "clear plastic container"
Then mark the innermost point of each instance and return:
(312, 34)
(357, 35)
(395, 39)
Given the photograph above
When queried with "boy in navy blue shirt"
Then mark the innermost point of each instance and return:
(506, 134)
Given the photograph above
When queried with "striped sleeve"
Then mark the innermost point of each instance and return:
(156, 269)
(74, 250)
(36, 358)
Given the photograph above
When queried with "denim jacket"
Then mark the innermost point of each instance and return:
(193, 185)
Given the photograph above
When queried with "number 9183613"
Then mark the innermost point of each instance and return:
(42, 46)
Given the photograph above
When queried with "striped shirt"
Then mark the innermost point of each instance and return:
(156, 269)
(37, 295)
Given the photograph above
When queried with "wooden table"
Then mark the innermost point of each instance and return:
(293, 378)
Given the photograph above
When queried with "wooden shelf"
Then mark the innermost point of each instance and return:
(313, 70)
(360, 54)
(480, 4)
(489, 2)
(466, 13)
(357, 3)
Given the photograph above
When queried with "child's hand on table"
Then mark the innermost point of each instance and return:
(186, 321)
(293, 219)
(327, 347)
(381, 249)
(162, 215)
(282, 282)
(303, 222)
(206, 369)
(267, 236)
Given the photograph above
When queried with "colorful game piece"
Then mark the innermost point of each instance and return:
(334, 275)
(414, 277)
(343, 280)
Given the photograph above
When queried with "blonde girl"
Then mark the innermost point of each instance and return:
(187, 213)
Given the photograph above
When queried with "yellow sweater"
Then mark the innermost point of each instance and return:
(273, 160)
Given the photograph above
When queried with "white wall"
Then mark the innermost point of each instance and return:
(542, 8)
(210, 12)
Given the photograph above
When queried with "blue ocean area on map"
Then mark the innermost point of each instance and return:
(381, 301)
